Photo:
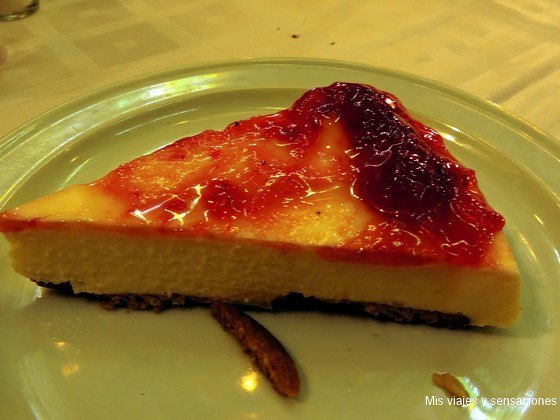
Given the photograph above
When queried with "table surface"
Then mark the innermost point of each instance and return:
(502, 51)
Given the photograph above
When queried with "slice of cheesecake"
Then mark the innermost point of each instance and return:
(342, 198)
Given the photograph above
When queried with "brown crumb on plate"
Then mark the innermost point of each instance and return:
(450, 385)
(267, 352)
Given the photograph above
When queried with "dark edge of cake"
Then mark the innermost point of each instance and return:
(291, 302)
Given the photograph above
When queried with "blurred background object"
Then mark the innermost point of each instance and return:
(17, 9)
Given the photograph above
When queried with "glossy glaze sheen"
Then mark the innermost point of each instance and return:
(423, 205)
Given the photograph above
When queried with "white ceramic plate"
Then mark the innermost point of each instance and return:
(64, 358)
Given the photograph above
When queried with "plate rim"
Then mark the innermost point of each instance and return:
(547, 141)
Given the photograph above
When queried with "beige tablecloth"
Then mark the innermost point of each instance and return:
(505, 51)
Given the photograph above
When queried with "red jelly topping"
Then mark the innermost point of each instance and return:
(424, 205)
